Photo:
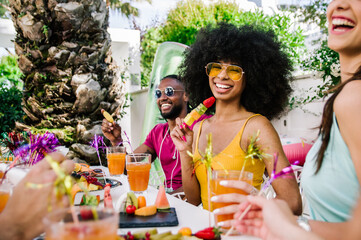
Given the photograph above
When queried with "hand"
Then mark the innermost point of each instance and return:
(267, 219)
(182, 136)
(112, 131)
(235, 198)
(24, 212)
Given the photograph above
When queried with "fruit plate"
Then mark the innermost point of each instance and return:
(160, 219)
(115, 184)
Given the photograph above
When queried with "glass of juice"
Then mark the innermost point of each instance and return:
(116, 160)
(138, 167)
(5, 192)
(217, 189)
(82, 222)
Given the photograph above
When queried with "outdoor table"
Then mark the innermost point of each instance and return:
(188, 215)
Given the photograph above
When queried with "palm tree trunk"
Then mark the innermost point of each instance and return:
(69, 75)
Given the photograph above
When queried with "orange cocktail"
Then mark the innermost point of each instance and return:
(138, 167)
(4, 197)
(60, 225)
(116, 160)
(217, 189)
(5, 192)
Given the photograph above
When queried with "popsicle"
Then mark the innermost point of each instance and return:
(196, 113)
(107, 116)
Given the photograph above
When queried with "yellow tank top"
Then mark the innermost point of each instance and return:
(231, 158)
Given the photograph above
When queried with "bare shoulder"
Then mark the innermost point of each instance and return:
(349, 100)
(262, 124)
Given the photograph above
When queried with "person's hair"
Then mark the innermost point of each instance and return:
(267, 68)
(173, 76)
(327, 118)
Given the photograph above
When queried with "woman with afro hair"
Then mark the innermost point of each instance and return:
(248, 74)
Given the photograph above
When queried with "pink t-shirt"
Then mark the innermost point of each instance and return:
(160, 141)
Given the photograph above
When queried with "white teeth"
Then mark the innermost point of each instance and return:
(342, 22)
(222, 86)
(165, 105)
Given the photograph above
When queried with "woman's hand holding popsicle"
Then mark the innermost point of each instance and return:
(182, 136)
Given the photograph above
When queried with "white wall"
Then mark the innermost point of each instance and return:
(302, 122)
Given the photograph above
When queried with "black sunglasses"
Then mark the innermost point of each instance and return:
(168, 91)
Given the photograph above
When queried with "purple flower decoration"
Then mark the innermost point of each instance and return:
(37, 148)
(284, 173)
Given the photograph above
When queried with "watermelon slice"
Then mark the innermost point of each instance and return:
(162, 201)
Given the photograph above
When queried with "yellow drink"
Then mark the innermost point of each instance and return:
(116, 163)
(60, 225)
(4, 197)
(138, 175)
(217, 189)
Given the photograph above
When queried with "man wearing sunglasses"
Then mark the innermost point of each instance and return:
(172, 102)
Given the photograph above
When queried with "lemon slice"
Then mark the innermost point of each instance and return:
(108, 117)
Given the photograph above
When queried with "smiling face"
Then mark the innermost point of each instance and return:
(171, 107)
(223, 87)
(344, 18)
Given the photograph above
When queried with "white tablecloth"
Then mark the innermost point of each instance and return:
(189, 215)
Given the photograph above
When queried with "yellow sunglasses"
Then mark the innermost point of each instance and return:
(234, 72)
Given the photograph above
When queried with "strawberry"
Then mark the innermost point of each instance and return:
(210, 233)
(86, 214)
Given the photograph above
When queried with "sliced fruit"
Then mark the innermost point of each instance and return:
(74, 190)
(86, 214)
(185, 231)
(108, 202)
(141, 202)
(121, 203)
(162, 201)
(132, 199)
(160, 235)
(141, 234)
(146, 211)
(92, 187)
(107, 116)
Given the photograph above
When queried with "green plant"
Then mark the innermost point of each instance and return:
(188, 17)
(10, 107)
(10, 93)
(10, 73)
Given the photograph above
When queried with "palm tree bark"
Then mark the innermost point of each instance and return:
(69, 75)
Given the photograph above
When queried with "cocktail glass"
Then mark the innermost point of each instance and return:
(138, 167)
(61, 225)
(5, 192)
(217, 189)
(116, 160)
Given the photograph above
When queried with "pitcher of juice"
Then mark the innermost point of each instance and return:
(217, 189)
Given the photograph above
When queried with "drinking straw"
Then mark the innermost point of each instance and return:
(128, 141)
(97, 143)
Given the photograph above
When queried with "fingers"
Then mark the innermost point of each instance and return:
(246, 187)
(229, 198)
(67, 166)
(107, 126)
(230, 209)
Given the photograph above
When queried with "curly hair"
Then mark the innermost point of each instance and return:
(267, 68)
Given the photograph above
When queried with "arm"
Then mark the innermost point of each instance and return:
(189, 180)
(285, 188)
(23, 214)
(145, 149)
(347, 107)
(271, 220)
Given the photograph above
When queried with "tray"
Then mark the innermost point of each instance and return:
(160, 219)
